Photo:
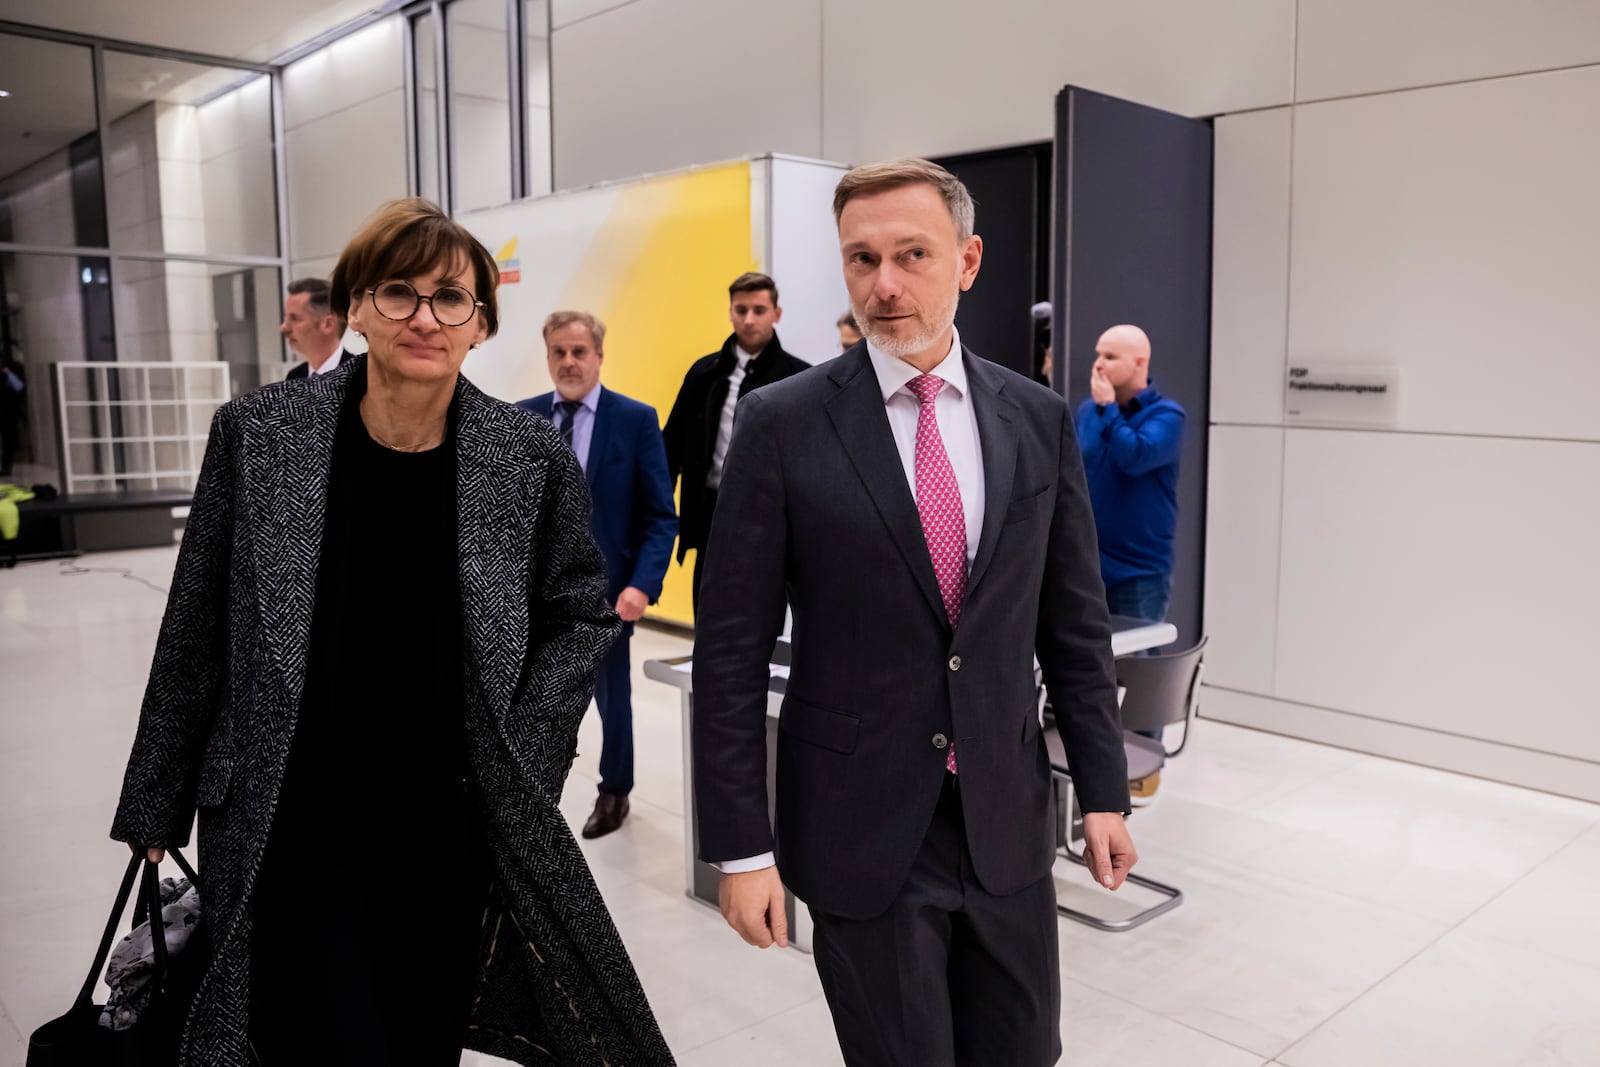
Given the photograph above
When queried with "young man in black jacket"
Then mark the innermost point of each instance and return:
(701, 423)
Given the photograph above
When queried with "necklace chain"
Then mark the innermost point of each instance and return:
(427, 443)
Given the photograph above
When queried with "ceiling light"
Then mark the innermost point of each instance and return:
(5, 92)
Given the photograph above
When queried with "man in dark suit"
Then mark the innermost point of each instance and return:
(618, 443)
(701, 423)
(923, 514)
(313, 331)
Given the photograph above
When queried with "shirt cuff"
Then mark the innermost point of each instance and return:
(753, 863)
(1109, 415)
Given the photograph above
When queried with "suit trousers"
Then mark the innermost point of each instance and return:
(613, 693)
(951, 975)
(700, 551)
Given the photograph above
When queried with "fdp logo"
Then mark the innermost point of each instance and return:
(1294, 372)
(510, 266)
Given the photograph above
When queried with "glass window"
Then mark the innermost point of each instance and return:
(53, 309)
(246, 303)
(537, 24)
(424, 42)
(191, 158)
(51, 190)
(480, 107)
(183, 312)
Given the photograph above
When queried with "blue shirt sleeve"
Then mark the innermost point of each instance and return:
(1155, 442)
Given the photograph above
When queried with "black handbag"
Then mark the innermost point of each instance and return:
(77, 1039)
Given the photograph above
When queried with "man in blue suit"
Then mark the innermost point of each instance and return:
(619, 446)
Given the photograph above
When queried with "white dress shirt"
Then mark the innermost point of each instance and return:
(329, 365)
(958, 427)
(719, 453)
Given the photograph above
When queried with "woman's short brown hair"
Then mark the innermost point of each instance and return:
(405, 239)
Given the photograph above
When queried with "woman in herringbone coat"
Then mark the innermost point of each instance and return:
(382, 634)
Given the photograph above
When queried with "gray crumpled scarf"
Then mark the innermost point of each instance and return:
(133, 963)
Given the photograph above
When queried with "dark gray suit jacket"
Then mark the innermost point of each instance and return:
(815, 509)
(230, 668)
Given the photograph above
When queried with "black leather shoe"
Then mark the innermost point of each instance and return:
(609, 811)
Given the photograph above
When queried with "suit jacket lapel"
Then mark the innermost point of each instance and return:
(997, 434)
(295, 437)
(492, 544)
(600, 436)
(859, 418)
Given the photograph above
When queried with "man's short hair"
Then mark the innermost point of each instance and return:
(754, 282)
(848, 319)
(558, 319)
(318, 294)
(870, 178)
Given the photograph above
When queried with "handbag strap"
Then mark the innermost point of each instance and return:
(86, 994)
(141, 904)
(183, 865)
(158, 925)
(152, 905)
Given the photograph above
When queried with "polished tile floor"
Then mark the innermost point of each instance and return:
(1341, 910)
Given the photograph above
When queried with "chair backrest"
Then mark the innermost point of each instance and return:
(1160, 689)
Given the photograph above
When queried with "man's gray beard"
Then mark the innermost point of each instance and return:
(905, 348)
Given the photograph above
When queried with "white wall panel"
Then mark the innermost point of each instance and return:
(340, 169)
(804, 257)
(367, 64)
(935, 76)
(566, 12)
(659, 84)
(1244, 482)
(478, 58)
(1367, 46)
(1447, 583)
(320, 267)
(483, 153)
(236, 119)
(1454, 231)
(1466, 755)
(1250, 267)
(238, 201)
(236, 171)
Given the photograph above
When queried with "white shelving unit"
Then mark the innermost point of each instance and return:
(136, 426)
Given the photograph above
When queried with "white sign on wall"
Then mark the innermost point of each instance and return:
(1340, 394)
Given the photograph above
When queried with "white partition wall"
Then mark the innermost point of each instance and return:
(646, 85)
(1350, 47)
(653, 258)
(803, 256)
(1428, 589)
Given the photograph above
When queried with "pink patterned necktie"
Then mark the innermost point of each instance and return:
(944, 521)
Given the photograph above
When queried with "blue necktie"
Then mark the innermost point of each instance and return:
(569, 412)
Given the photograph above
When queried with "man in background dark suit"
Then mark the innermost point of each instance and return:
(701, 423)
(923, 514)
(313, 331)
(618, 443)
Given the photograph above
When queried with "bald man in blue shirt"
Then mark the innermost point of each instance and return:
(1131, 438)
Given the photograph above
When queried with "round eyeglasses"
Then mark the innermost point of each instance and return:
(451, 304)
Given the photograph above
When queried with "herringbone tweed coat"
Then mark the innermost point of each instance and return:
(555, 984)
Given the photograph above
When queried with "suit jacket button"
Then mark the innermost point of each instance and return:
(940, 741)
(955, 663)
